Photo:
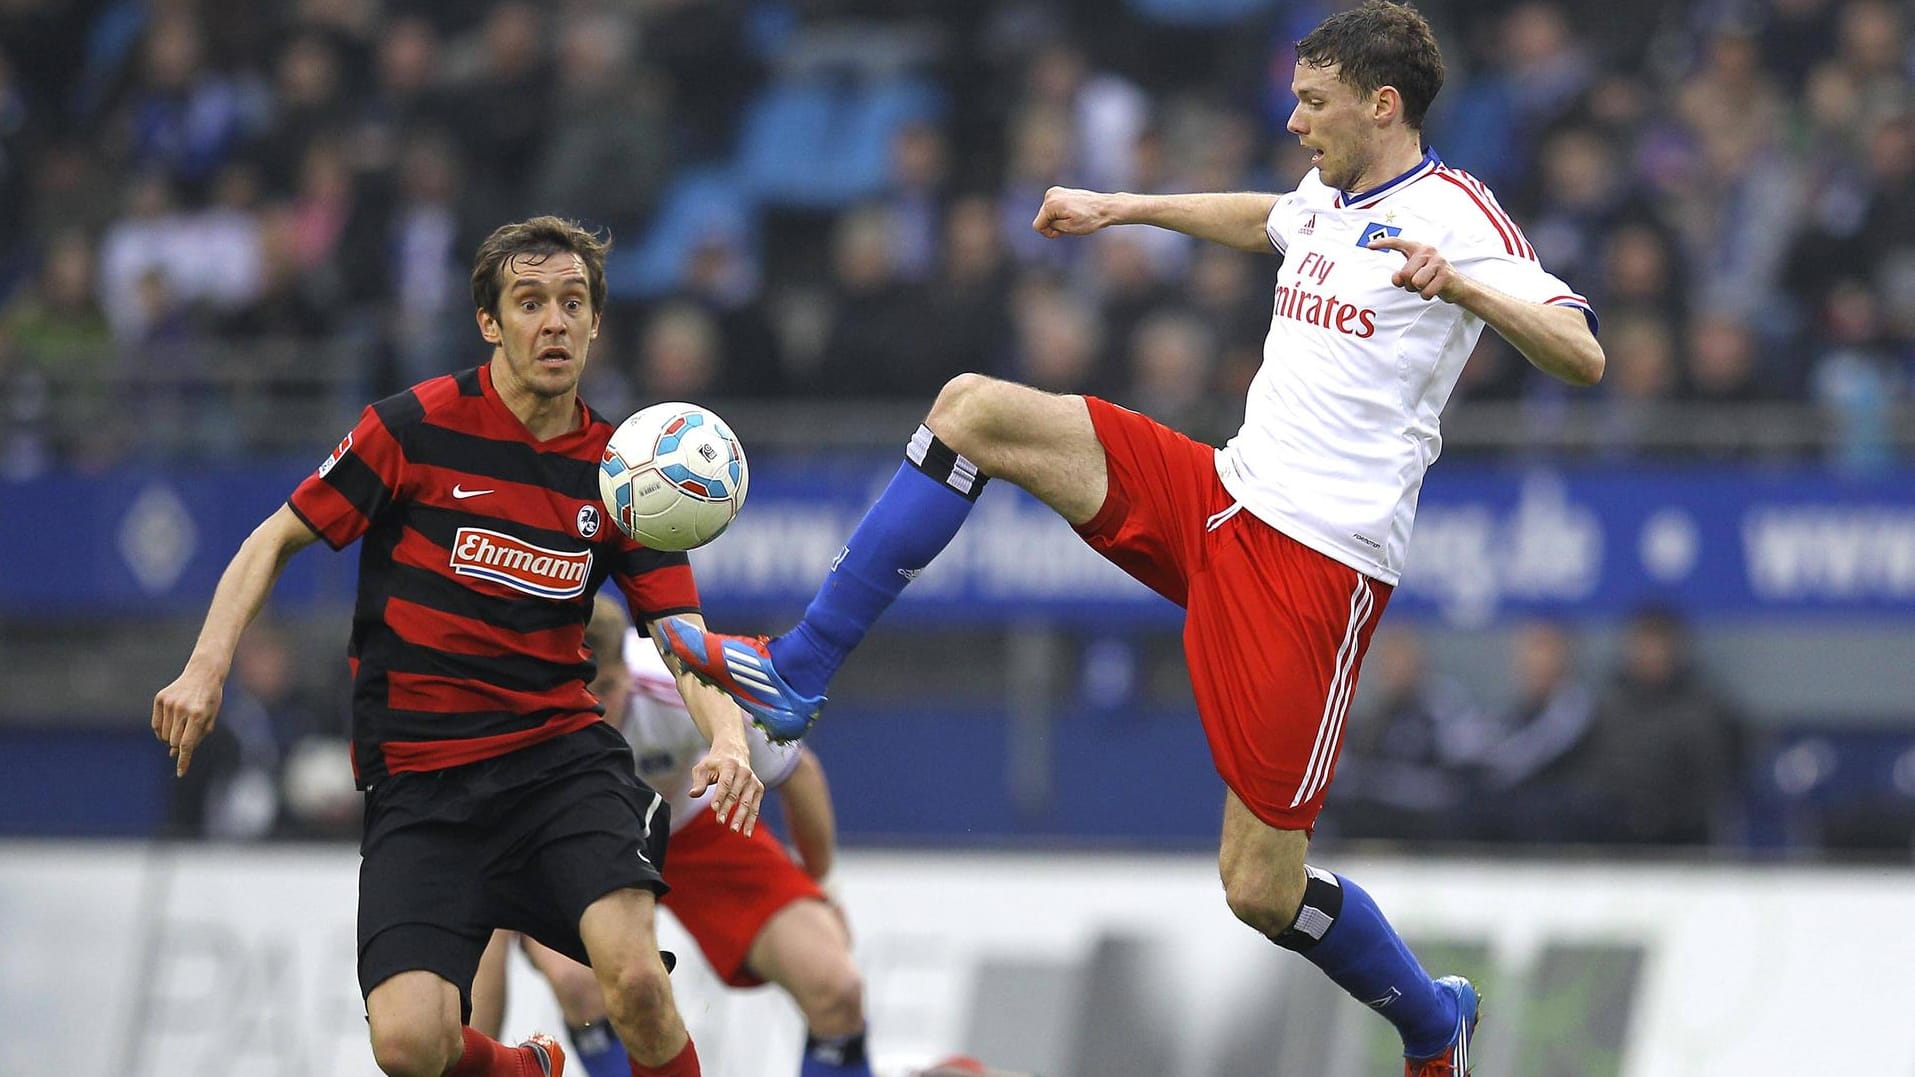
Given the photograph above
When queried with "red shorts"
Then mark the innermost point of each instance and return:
(726, 887)
(1274, 631)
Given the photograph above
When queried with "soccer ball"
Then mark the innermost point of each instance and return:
(673, 476)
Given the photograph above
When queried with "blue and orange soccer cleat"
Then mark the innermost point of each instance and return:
(741, 667)
(1454, 1061)
(550, 1055)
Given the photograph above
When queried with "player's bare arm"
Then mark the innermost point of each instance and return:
(740, 793)
(1554, 338)
(814, 827)
(184, 711)
(1234, 219)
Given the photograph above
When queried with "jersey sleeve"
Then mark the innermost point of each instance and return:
(1509, 265)
(1276, 225)
(771, 761)
(655, 583)
(354, 485)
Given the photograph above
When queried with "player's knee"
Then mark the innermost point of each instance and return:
(962, 410)
(1263, 899)
(402, 1051)
(833, 1003)
(639, 996)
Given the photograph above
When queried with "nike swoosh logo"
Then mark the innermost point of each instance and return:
(460, 493)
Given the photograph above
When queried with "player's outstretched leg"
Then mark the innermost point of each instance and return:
(781, 682)
(1043, 442)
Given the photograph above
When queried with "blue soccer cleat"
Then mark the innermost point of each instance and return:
(1454, 1060)
(741, 667)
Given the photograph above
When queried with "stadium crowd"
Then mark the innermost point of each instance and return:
(215, 204)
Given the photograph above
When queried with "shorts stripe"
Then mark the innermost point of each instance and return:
(1336, 703)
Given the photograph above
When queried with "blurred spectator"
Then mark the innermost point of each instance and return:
(236, 790)
(1128, 286)
(1584, 193)
(1227, 289)
(1723, 362)
(182, 117)
(505, 109)
(1040, 158)
(69, 189)
(16, 138)
(919, 166)
(971, 297)
(1641, 380)
(1856, 382)
(1405, 756)
(678, 355)
(1795, 36)
(608, 154)
(711, 70)
(1666, 754)
(293, 299)
(408, 96)
(1640, 269)
(1058, 341)
(1534, 72)
(309, 104)
(149, 237)
(1172, 360)
(1102, 114)
(56, 354)
(871, 348)
(722, 281)
(1522, 786)
(55, 324)
(426, 274)
(1724, 183)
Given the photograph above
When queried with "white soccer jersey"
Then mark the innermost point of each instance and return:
(666, 741)
(1341, 420)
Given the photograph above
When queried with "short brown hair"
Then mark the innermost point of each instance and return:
(539, 237)
(1378, 44)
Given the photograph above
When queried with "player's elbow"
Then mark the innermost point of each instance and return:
(1589, 364)
(1580, 362)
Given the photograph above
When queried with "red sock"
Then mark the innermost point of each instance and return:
(684, 1064)
(487, 1057)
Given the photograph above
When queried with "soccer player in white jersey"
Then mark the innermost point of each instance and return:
(1284, 546)
(755, 914)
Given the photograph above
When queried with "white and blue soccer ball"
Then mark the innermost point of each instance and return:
(673, 477)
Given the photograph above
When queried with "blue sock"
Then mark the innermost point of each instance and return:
(1341, 931)
(835, 1056)
(918, 515)
(595, 1047)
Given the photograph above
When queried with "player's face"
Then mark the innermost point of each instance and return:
(546, 323)
(1335, 122)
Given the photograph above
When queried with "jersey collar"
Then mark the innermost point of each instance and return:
(1366, 199)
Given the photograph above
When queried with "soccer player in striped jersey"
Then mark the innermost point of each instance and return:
(1283, 547)
(495, 797)
(759, 915)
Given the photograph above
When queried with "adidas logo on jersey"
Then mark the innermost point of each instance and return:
(535, 570)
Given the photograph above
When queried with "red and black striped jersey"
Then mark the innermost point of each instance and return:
(482, 548)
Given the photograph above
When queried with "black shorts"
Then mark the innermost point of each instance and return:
(525, 841)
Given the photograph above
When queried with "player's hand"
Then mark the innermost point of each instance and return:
(183, 714)
(1068, 211)
(738, 794)
(1424, 271)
